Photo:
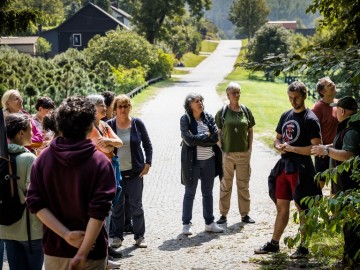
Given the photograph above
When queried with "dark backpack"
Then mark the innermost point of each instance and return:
(11, 208)
(225, 109)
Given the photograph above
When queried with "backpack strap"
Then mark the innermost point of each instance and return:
(246, 111)
(243, 108)
(13, 172)
(223, 113)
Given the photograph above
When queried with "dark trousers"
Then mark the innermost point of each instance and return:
(205, 171)
(19, 256)
(128, 221)
(132, 185)
(352, 241)
(1, 253)
(322, 163)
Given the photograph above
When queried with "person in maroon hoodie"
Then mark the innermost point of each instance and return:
(71, 190)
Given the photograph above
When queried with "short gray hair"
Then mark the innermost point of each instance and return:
(96, 99)
(232, 86)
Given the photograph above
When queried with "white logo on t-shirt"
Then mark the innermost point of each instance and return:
(291, 131)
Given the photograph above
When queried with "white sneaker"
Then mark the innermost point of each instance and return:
(213, 227)
(140, 242)
(116, 242)
(113, 264)
(187, 229)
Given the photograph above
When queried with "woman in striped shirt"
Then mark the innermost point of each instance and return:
(200, 135)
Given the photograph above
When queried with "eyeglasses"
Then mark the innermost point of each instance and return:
(123, 106)
(198, 100)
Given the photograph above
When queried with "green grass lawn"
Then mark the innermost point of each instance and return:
(192, 60)
(208, 45)
(179, 71)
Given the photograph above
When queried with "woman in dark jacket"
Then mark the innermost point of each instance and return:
(200, 135)
(133, 166)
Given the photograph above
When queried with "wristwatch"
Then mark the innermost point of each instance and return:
(326, 151)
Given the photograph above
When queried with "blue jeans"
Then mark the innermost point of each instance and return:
(132, 185)
(19, 257)
(205, 171)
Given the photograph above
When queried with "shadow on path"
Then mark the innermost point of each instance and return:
(184, 241)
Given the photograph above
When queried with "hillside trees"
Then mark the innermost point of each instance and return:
(248, 15)
(219, 15)
(291, 11)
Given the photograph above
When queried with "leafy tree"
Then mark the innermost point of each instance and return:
(249, 15)
(71, 9)
(149, 15)
(342, 16)
(52, 10)
(182, 36)
(327, 216)
(270, 39)
(42, 46)
(121, 47)
(16, 20)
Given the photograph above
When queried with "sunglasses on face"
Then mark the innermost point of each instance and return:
(123, 106)
(198, 100)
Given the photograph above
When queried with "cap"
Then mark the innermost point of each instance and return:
(348, 103)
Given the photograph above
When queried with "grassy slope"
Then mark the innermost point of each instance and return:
(192, 60)
(208, 45)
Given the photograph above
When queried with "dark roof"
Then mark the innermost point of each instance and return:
(96, 7)
(121, 12)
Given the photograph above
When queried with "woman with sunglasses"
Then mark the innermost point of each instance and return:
(133, 166)
(200, 159)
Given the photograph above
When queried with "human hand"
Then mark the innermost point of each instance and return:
(281, 147)
(77, 263)
(145, 170)
(74, 238)
(103, 142)
(317, 150)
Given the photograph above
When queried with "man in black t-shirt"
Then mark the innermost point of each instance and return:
(293, 176)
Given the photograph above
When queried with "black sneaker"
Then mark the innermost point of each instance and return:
(247, 219)
(114, 253)
(221, 220)
(267, 248)
(301, 252)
